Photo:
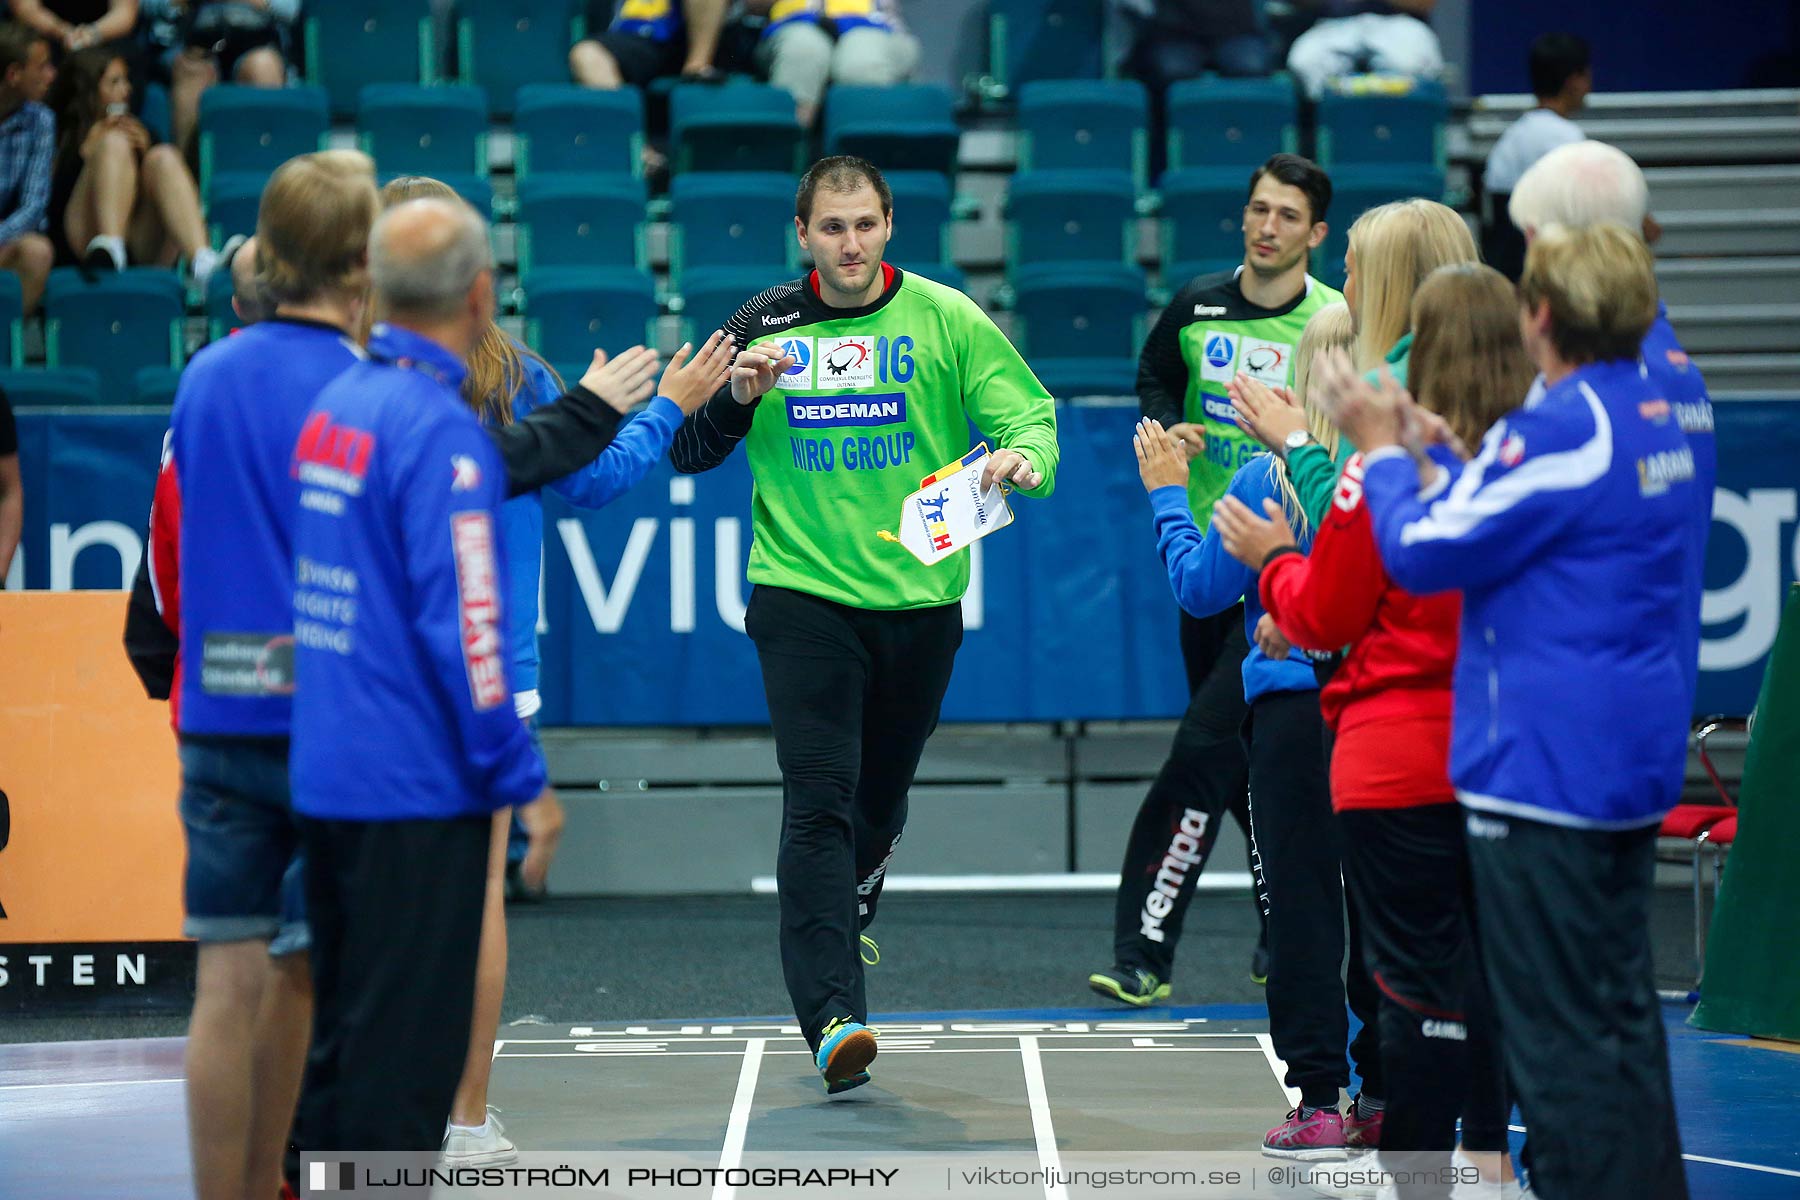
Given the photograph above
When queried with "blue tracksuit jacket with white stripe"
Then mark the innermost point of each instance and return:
(1570, 535)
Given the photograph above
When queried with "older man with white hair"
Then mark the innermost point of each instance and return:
(404, 736)
(1591, 183)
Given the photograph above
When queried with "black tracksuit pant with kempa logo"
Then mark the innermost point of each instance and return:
(1205, 776)
(853, 695)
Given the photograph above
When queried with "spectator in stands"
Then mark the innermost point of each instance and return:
(78, 24)
(1390, 37)
(808, 43)
(1174, 40)
(647, 40)
(1562, 75)
(27, 148)
(12, 494)
(196, 43)
(116, 197)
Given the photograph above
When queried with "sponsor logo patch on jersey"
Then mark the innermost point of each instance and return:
(820, 412)
(777, 320)
(333, 456)
(1268, 362)
(1219, 409)
(1657, 472)
(1654, 411)
(1217, 354)
(841, 363)
(478, 608)
(465, 473)
(1512, 450)
(1209, 310)
(801, 350)
(1350, 486)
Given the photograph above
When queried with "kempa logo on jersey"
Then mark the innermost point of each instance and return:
(1183, 855)
(783, 319)
(880, 408)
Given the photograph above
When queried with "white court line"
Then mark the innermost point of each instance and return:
(1041, 1126)
(20, 1087)
(1280, 1068)
(735, 1129)
(498, 1042)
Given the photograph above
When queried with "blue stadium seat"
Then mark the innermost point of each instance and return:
(1070, 216)
(231, 204)
(221, 318)
(731, 219)
(1082, 124)
(1084, 310)
(560, 127)
(734, 127)
(413, 130)
(52, 388)
(12, 316)
(1231, 122)
(1355, 190)
(116, 325)
(155, 386)
(1066, 378)
(352, 44)
(254, 130)
(1044, 39)
(921, 218)
(477, 190)
(903, 127)
(1384, 129)
(1202, 221)
(502, 45)
(710, 295)
(580, 221)
(571, 313)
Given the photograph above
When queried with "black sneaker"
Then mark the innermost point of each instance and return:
(1129, 985)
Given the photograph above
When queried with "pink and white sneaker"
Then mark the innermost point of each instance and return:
(1308, 1135)
(1362, 1127)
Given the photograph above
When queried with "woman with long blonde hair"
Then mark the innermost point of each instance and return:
(1393, 247)
(1290, 803)
(1388, 705)
(506, 380)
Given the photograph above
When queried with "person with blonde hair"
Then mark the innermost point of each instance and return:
(1569, 536)
(1295, 840)
(506, 381)
(1388, 705)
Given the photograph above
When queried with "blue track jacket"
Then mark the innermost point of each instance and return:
(1207, 580)
(403, 709)
(1571, 536)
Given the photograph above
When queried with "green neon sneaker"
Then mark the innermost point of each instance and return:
(846, 1048)
(1129, 985)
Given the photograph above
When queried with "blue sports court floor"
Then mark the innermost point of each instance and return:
(105, 1118)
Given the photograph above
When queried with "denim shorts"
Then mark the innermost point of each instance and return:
(244, 879)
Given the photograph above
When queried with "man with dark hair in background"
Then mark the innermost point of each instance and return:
(1246, 320)
(869, 379)
(1562, 75)
(27, 151)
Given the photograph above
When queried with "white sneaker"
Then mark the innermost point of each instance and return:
(484, 1146)
(1486, 1189)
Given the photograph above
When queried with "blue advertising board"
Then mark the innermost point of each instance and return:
(1069, 618)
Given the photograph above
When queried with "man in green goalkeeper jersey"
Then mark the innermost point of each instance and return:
(1246, 320)
(860, 380)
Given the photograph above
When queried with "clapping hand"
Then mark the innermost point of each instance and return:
(1162, 460)
(1266, 414)
(624, 380)
(691, 379)
(1247, 537)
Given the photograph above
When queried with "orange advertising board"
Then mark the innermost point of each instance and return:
(89, 765)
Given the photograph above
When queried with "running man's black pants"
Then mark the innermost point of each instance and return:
(1563, 916)
(1297, 849)
(853, 695)
(1408, 872)
(1205, 776)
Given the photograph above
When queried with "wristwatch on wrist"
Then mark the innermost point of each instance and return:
(1295, 440)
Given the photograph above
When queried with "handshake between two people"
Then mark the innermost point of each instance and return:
(629, 378)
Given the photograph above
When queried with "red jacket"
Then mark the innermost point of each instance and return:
(1402, 647)
(165, 560)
